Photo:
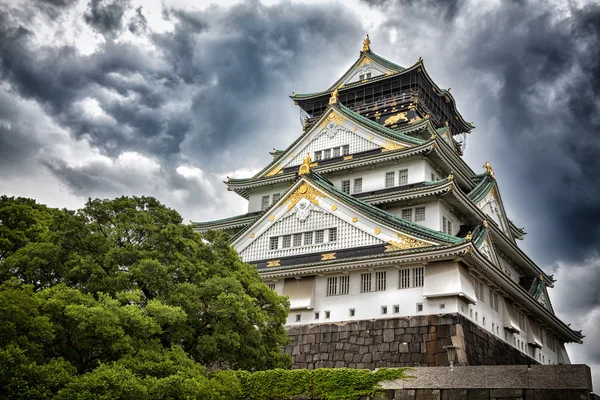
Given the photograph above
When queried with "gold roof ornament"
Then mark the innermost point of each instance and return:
(334, 97)
(366, 44)
(488, 169)
(305, 167)
(468, 237)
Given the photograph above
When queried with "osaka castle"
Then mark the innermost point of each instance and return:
(387, 244)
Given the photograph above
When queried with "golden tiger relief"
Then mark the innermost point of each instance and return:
(395, 118)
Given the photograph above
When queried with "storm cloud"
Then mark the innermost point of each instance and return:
(103, 98)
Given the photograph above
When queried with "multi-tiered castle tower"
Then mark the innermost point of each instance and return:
(372, 215)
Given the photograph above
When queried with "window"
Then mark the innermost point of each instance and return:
(365, 282)
(276, 197)
(344, 284)
(433, 177)
(368, 75)
(352, 312)
(264, 203)
(407, 214)
(396, 308)
(332, 234)
(336, 152)
(442, 306)
(317, 315)
(403, 177)
(411, 277)
(298, 317)
(361, 77)
(483, 321)
(345, 150)
(493, 300)
(297, 240)
(419, 307)
(332, 285)
(493, 327)
(390, 178)
(272, 286)
(479, 289)
(384, 309)
(319, 236)
(471, 313)
(286, 241)
(318, 155)
(418, 276)
(380, 280)
(346, 187)
(476, 316)
(308, 238)
(419, 214)
(357, 185)
(327, 314)
(326, 154)
(447, 226)
(274, 243)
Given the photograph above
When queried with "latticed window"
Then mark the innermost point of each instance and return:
(332, 286)
(380, 280)
(308, 238)
(297, 240)
(264, 203)
(404, 278)
(419, 214)
(332, 234)
(336, 152)
(274, 243)
(357, 185)
(418, 276)
(345, 150)
(286, 241)
(344, 284)
(276, 197)
(346, 187)
(407, 214)
(365, 282)
(390, 178)
(493, 300)
(272, 286)
(318, 155)
(326, 154)
(403, 177)
(447, 226)
(411, 277)
(319, 236)
(479, 289)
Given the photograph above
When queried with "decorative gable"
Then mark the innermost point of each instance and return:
(333, 136)
(308, 220)
(491, 206)
(365, 69)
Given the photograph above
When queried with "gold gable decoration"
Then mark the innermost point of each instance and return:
(276, 170)
(389, 145)
(401, 116)
(334, 97)
(332, 117)
(404, 242)
(305, 167)
(305, 191)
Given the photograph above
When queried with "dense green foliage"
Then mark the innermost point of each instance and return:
(120, 300)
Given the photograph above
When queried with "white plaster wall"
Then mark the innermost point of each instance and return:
(513, 274)
(374, 176)
(255, 198)
(432, 213)
(444, 211)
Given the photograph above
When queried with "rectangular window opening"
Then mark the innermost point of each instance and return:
(390, 177)
(403, 177)
(358, 185)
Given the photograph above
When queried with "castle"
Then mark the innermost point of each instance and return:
(388, 245)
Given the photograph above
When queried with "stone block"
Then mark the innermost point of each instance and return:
(454, 394)
(403, 347)
(377, 356)
(506, 394)
(384, 347)
(414, 347)
(478, 394)
(405, 394)
(554, 394)
(388, 335)
(367, 357)
(428, 394)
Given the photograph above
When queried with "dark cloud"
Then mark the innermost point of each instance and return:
(106, 16)
(138, 24)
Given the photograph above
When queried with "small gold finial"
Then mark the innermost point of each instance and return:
(450, 177)
(305, 167)
(334, 97)
(541, 277)
(485, 223)
(229, 178)
(420, 60)
(366, 44)
(468, 237)
(191, 223)
(488, 169)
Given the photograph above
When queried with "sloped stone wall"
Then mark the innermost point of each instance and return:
(398, 342)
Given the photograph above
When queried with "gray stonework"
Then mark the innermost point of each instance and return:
(398, 342)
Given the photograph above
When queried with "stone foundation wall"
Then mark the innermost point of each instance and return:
(398, 342)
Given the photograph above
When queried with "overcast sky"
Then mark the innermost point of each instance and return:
(104, 98)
